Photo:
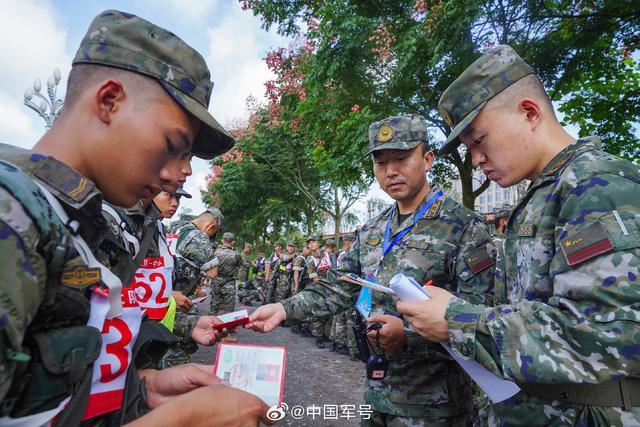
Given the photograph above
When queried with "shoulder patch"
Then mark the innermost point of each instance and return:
(64, 179)
(588, 243)
(526, 230)
(80, 276)
(479, 259)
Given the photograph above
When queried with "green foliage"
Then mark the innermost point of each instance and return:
(391, 57)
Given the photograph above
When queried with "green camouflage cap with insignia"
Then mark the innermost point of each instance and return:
(180, 192)
(397, 133)
(122, 40)
(493, 72)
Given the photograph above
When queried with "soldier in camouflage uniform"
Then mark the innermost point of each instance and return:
(427, 236)
(194, 257)
(283, 282)
(247, 293)
(62, 270)
(272, 271)
(299, 281)
(341, 323)
(317, 327)
(223, 287)
(568, 333)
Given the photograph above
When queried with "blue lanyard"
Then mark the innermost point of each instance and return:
(386, 246)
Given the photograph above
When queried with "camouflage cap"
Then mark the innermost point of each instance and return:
(330, 242)
(122, 40)
(494, 71)
(228, 236)
(397, 133)
(291, 243)
(248, 245)
(502, 212)
(312, 237)
(349, 238)
(180, 192)
(217, 215)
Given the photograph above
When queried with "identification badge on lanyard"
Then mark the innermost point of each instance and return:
(364, 301)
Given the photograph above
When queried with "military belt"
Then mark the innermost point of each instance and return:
(623, 392)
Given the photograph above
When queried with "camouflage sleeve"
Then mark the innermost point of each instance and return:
(327, 297)
(587, 331)
(311, 269)
(22, 279)
(472, 268)
(298, 263)
(184, 324)
(198, 250)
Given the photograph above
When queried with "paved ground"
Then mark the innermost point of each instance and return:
(312, 377)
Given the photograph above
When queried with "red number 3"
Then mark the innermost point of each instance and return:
(117, 349)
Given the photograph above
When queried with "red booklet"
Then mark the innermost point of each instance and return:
(233, 319)
(256, 369)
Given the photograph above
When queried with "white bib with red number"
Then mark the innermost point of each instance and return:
(118, 337)
(172, 242)
(153, 281)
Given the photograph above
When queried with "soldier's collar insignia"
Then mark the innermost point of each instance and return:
(385, 133)
(445, 116)
(80, 276)
(434, 210)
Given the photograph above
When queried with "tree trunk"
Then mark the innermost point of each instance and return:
(338, 217)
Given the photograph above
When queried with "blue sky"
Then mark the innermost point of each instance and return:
(37, 36)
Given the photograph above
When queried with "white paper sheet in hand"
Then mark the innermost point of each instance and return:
(496, 388)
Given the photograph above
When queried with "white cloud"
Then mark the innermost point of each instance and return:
(16, 127)
(194, 184)
(237, 47)
(32, 45)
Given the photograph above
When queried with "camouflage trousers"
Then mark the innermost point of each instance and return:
(338, 332)
(223, 297)
(247, 294)
(380, 419)
(282, 287)
(320, 328)
(481, 407)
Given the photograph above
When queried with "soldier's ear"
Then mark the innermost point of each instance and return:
(108, 98)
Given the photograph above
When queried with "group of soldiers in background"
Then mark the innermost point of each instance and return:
(287, 272)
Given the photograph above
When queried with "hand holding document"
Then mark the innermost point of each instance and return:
(407, 289)
(233, 319)
(256, 369)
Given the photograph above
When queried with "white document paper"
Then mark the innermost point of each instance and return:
(256, 369)
(498, 389)
(229, 317)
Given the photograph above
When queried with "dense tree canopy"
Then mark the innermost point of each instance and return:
(358, 61)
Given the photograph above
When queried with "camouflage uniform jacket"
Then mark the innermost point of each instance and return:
(194, 254)
(312, 267)
(230, 261)
(572, 266)
(25, 278)
(300, 265)
(245, 265)
(449, 245)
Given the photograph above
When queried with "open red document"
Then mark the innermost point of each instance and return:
(256, 369)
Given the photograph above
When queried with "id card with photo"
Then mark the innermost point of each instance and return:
(256, 369)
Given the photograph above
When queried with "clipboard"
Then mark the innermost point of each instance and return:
(352, 278)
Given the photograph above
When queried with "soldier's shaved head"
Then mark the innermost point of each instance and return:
(85, 76)
(527, 87)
